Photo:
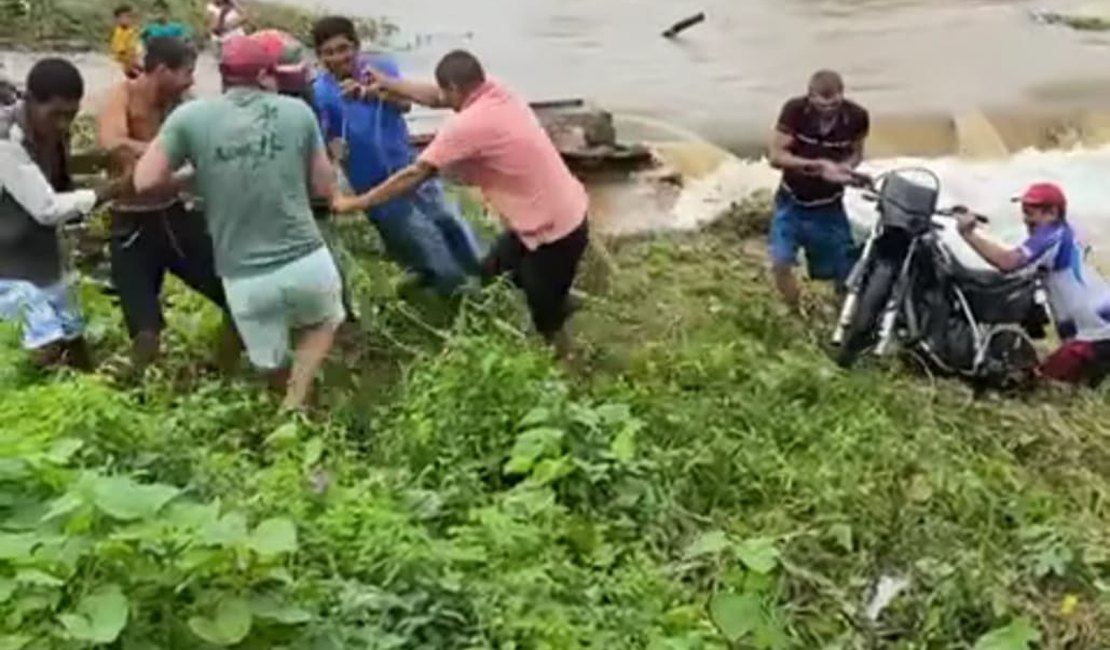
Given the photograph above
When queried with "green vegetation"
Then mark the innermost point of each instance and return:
(702, 478)
(87, 24)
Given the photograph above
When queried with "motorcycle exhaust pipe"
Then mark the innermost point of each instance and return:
(852, 284)
(847, 312)
(886, 332)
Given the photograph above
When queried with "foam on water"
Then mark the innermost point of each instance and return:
(988, 187)
(715, 179)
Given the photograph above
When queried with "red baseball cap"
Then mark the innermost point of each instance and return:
(242, 57)
(291, 58)
(1046, 194)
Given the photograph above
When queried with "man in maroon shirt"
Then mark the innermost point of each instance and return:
(817, 143)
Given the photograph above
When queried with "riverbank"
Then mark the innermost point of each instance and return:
(702, 478)
(86, 25)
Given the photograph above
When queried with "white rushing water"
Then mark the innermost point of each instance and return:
(717, 180)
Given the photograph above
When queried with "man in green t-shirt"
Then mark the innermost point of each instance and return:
(257, 154)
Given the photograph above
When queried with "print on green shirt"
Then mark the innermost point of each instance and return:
(252, 150)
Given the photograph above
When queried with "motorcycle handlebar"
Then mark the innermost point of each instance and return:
(951, 212)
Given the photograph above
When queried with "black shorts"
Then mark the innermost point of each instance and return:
(144, 246)
(546, 274)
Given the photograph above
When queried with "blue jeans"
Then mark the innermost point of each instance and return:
(430, 200)
(432, 241)
(823, 232)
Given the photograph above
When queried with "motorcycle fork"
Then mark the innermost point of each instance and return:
(897, 295)
(853, 284)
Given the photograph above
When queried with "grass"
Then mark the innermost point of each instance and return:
(703, 477)
(87, 24)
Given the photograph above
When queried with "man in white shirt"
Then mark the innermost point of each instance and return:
(36, 197)
(1078, 295)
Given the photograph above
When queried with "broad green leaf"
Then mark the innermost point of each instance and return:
(1018, 635)
(758, 554)
(193, 516)
(7, 588)
(271, 609)
(64, 505)
(536, 417)
(313, 452)
(229, 530)
(14, 546)
(286, 433)
(624, 445)
(530, 446)
(273, 537)
(124, 499)
(14, 642)
(37, 578)
(12, 469)
(709, 543)
(231, 624)
(734, 615)
(100, 617)
(64, 449)
(551, 470)
(614, 412)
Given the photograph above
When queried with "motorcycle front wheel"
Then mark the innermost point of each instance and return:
(873, 299)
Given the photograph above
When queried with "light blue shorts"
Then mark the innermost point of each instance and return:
(46, 314)
(268, 306)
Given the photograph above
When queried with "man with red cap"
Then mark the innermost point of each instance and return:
(258, 156)
(1079, 297)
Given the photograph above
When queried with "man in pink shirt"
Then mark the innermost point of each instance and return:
(496, 142)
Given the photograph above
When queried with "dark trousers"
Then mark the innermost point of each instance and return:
(144, 246)
(545, 274)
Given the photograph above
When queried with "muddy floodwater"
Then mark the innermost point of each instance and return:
(970, 88)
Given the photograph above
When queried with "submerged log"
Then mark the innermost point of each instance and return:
(684, 24)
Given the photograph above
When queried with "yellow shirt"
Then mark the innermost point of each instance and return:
(125, 45)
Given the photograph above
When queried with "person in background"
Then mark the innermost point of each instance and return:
(224, 18)
(257, 157)
(125, 42)
(817, 143)
(495, 141)
(1078, 296)
(367, 134)
(294, 79)
(36, 197)
(155, 232)
(161, 26)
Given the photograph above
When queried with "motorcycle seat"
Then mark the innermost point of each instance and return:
(989, 280)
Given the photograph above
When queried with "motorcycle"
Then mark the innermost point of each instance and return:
(909, 288)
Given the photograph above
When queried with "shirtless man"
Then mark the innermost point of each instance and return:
(155, 232)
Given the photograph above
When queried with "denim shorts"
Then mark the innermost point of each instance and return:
(267, 306)
(822, 232)
(46, 314)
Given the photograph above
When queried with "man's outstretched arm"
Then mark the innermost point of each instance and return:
(399, 184)
(419, 92)
(1000, 257)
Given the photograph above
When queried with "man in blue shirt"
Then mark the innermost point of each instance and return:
(369, 135)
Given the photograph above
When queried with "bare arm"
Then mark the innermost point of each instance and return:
(111, 128)
(780, 156)
(418, 92)
(321, 175)
(153, 169)
(856, 156)
(1000, 257)
(396, 185)
(211, 20)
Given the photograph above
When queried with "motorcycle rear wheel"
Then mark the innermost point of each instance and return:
(873, 299)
